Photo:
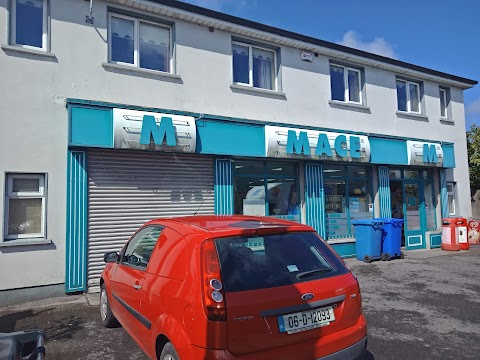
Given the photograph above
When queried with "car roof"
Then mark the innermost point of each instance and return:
(227, 225)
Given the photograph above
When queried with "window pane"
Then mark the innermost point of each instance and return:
(241, 64)
(451, 204)
(395, 174)
(24, 216)
(334, 171)
(249, 167)
(250, 263)
(357, 171)
(25, 185)
(443, 103)
(122, 40)
(414, 98)
(336, 209)
(411, 174)
(263, 72)
(353, 86)
(358, 200)
(154, 47)
(337, 83)
(249, 193)
(402, 95)
(283, 201)
(430, 206)
(29, 23)
(282, 169)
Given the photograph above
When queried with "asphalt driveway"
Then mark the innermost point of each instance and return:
(426, 306)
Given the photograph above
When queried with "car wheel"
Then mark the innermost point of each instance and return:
(168, 352)
(106, 315)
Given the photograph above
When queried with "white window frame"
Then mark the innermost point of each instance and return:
(44, 33)
(136, 41)
(451, 192)
(25, 195)
(346, 69)
(250, 65)
(407, 89)
(443, 93)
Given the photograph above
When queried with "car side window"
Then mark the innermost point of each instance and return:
(140, 248)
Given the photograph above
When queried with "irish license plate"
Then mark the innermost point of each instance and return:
(306, 320)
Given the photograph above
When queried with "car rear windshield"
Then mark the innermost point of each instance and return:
(251, 263)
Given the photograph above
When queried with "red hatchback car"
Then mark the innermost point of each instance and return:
(233, 287)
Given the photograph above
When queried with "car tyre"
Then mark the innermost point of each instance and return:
(106, 315)
(169, 352)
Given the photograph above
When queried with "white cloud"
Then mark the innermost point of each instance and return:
(377, 46)
(473, 108)
(231, 6)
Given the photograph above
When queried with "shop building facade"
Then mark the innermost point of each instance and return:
(160, 108)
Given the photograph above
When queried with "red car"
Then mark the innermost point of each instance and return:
(235, 287)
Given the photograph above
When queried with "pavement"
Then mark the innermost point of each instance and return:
(426, 306)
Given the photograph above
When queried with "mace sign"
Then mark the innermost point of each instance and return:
(320, 145)
(143, 130)
(422, 153)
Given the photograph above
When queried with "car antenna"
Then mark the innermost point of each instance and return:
(203, 202)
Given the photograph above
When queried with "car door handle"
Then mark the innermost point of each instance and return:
(137, 286)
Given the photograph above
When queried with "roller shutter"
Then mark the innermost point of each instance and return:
(126, 189)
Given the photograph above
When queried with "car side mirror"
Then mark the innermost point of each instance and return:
(110, 257)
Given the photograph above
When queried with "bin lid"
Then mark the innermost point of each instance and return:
(367, 221)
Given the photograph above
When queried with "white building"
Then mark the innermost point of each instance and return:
(146, 109)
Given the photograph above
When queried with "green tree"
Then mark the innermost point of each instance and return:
(473, 147)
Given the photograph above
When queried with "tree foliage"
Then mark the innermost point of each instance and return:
(473, 147)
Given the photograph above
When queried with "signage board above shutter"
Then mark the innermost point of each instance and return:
(423, 153)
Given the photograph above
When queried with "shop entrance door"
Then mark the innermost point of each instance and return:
(414, 215)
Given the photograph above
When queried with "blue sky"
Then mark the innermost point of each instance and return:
(442, 35)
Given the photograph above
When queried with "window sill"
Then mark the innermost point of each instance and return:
(254, 90)
(133, 69)
(347, 105)
(24, 242)
(341, 241)
(22, 50)
(413, 116)
(447, 121)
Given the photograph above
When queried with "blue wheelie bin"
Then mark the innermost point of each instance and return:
(392, 238)
(368, 239)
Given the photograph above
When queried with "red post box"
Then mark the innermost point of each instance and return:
(462, 233)
(449, 235)
(474, 231)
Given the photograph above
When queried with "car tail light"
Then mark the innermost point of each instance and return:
(212, 287)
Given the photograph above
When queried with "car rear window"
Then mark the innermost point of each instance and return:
(251, 263)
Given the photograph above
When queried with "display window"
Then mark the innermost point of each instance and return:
(348, 197)
(266, 188)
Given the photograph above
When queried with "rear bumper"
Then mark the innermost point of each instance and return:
(347, 344)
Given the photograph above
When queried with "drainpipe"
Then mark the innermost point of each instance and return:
(89, 19)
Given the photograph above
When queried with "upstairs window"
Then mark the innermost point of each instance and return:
(408, 96)
(444, 100)
(138, 43)
(345, 83)
(254, 66)
(29, 23)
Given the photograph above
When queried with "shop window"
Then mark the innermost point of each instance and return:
(347, 198)
(254, 66)
(139, 43)
(451, 188)
(345, 83)
(408, 96)
(266, 188)
(25, 206)
(430, 204)
(29, 24)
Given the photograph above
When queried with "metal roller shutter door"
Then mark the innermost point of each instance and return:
(126, 189)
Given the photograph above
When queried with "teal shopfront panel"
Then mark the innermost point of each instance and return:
(388, 151)
(91, 127)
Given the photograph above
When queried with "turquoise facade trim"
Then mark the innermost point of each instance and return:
(315, 198)
(91, 127)
(448, 156)
(345, 250)
(444, 193)
(435, 241)
(384, 192)
(224, 138)
(388, 151)
(223, 187)
(76, 236)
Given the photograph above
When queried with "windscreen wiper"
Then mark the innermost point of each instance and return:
(305, 274)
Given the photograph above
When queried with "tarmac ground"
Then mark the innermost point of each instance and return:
(426, 306)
